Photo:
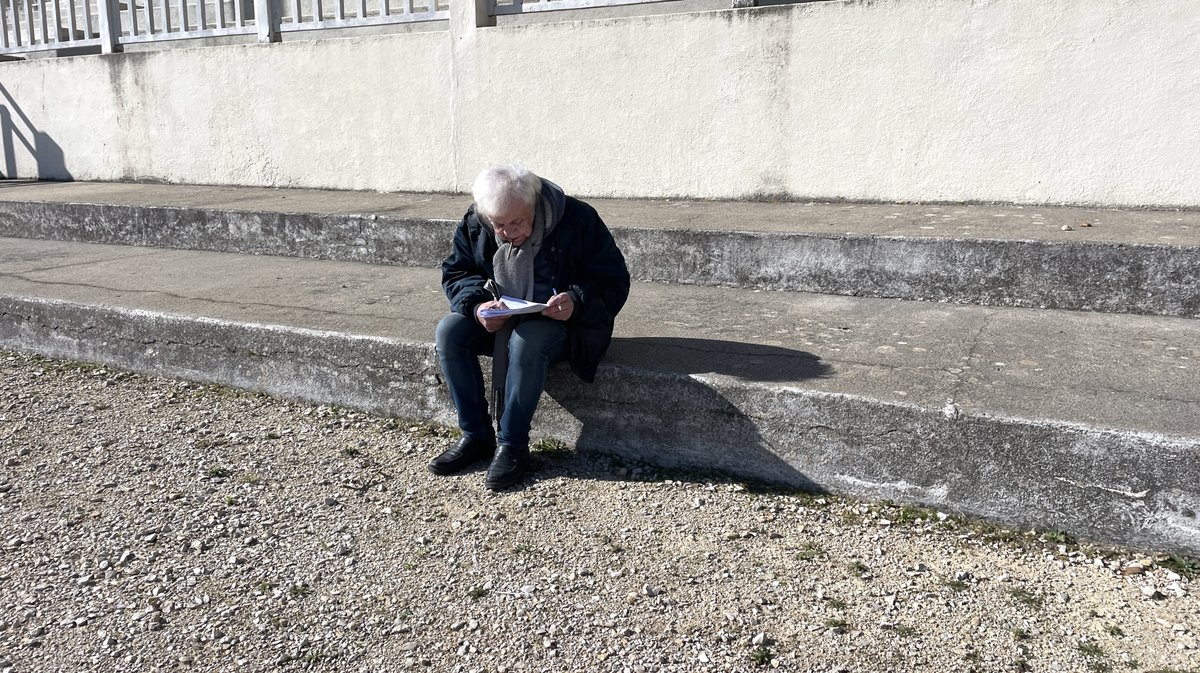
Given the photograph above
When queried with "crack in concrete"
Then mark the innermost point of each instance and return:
(1140, 495)
(983, 325)
(77, 264)
(848, 433)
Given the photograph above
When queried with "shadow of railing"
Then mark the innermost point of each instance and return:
(47, 154)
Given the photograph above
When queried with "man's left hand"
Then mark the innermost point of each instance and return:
(562, 307)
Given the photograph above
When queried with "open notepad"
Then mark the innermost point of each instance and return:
(513, 306)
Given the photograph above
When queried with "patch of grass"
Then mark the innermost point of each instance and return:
(837, 604)
(1090, 649)
(1021, 666)
(809, 551)
(905, 631)
(217, 472)
(230, 501)
(1058, 537)
(761, 655)
(1114, 630)
(409, 566)
(1097, 666)
(265, 586)
(252, 478)
(858, 567)
(1025, 597)
(1182, 565)
(835, 623)
(351, 452)
(909, 514)
(426, 429)
(957, 585)
(550, 448)
(613, 546)
(299, 590)
(477, 592)
(1021, 634)
(523, 550)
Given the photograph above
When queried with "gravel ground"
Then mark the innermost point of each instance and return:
(148, 524)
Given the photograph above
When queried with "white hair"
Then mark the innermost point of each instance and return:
(499, 186)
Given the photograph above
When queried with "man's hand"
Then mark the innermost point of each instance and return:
(562, 307)
(490, 324)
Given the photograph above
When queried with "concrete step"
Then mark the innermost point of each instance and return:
(1145, 262)
(1084, 422)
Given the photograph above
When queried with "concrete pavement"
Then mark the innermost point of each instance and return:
(1082, 421)
(1124, 261)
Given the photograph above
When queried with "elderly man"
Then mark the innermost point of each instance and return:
(522, 238)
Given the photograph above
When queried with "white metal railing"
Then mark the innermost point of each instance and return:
(318, 14)
(40, 25)
(502, 7)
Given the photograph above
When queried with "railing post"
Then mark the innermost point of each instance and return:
(467, 15)
(267, 20)
(110, 26)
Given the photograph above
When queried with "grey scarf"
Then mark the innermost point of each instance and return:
(513, 266)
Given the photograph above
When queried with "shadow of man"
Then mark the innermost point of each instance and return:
(685, 403)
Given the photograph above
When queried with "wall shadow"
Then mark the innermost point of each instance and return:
(646, 406)
(49, 156)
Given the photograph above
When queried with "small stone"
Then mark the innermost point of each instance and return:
(332, 502)
(1067, 227)
(733, 535)
(1063, 597)
(1152, 594)
(631, 598)
(759, 638)
(1133, 569)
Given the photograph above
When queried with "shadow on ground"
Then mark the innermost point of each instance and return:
(647, 406)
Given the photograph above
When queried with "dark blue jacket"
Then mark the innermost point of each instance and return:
(584, 259)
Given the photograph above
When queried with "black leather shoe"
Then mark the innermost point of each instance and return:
(461, 454)
(508, 467)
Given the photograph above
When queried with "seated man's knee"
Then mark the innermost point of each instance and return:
(531, 342)
(454, 331)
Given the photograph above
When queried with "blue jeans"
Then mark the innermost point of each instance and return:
(535, 344)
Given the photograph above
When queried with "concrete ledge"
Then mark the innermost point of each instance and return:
(1096, 275)
(1126, 487)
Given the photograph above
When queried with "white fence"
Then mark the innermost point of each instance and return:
(502, 7)
(41, 25)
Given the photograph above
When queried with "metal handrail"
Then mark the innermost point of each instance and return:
(43, 25)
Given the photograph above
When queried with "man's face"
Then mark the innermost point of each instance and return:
(514, 223)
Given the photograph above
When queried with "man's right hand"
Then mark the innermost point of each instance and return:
(490, 324)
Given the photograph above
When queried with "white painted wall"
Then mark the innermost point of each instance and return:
(1076, 101)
